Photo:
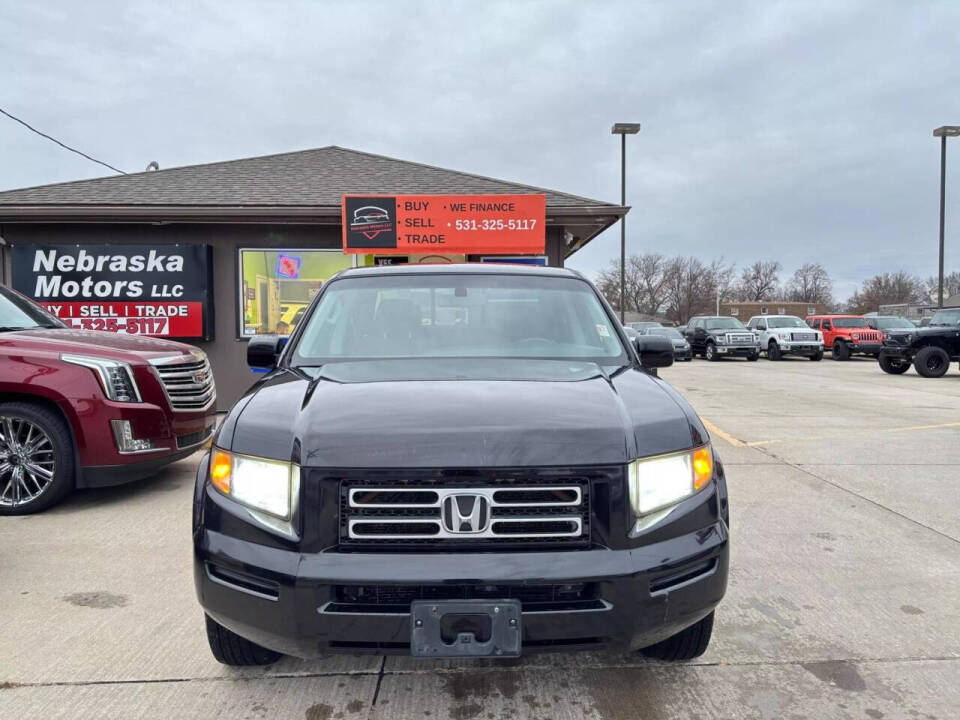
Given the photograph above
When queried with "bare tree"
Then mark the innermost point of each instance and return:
(692, 286)
(760, 280)
(887, 289)
(810, 284)
(644, 283)
(648, 274)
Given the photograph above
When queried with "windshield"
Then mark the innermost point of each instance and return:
(945, 317)
(18, 313)
(431, 316)
(786, 322)
(666, 332)
(889, 323)
(730, 323)
(849, 322)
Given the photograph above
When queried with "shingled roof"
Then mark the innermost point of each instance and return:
(308, 178)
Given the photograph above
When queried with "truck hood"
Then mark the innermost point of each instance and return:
(91, 342)
(460, 422)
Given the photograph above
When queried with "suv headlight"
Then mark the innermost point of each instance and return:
(259, 483)
(659, 482)
(115, 376)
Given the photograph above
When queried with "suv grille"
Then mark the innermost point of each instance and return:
(499, 511)
(397, 598)
(189, 385)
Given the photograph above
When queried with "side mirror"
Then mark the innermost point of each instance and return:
(263, 351)
(655, 351)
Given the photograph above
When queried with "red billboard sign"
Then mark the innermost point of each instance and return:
(458, 224)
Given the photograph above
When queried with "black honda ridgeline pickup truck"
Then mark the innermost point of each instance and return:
(459, 461)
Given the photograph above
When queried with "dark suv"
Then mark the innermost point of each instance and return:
(459, 460)
(930, 349)
(717, 336)
(80, 408)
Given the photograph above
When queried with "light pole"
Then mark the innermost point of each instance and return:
(623, 129)
(943, 133)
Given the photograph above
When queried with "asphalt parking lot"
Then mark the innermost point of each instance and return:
(844, 597)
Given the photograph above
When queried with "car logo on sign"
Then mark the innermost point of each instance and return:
(465, 514)
(371, 220)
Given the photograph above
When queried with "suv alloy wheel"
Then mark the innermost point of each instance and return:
(840, 350)
(710, 353)
(932, 362)
(36, 458)
(773, 351)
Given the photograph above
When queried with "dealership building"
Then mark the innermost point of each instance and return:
(214, 254)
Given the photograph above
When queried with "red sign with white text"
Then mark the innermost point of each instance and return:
(458, 224)
(173, 319)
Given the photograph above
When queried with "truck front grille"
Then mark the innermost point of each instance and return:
(741, 339)
(500, 511)
(189, 385)
(803, 336)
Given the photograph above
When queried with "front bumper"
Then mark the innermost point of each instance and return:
(682, 353)
(189, 435)
(738, 350)
(643, 597)
(293, 602)
(867, 348)
(801, 348)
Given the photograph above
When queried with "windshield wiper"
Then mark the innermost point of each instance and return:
(9, 328)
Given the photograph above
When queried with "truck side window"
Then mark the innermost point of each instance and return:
(826, 324)
(815, 323)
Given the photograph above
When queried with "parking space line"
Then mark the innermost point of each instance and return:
(714, 430)
(736, 442)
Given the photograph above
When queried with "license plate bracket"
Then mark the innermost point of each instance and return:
(466, 628)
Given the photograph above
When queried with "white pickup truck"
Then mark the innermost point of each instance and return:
(786, 335)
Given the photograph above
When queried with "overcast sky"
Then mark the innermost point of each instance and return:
(790, 131)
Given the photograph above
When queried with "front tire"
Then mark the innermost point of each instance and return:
(894, 366)
(773, 351)
(932, 362)
(231, 649)
(754, 357)
(841, 351)
(36, 458)
(710, 353)
(817, 356)
(686, 644)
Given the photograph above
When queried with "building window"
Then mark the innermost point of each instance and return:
(734, 311)
(781, 311)
(811, 310)
(276, 286)
(763, 309)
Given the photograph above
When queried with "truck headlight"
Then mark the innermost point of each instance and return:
(659, 482)
(259, 483)
(115, 376)
(721, 340)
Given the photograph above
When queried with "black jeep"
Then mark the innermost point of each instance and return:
(930, 349)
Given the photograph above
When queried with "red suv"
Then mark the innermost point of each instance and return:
(845, 335)
(83, 409)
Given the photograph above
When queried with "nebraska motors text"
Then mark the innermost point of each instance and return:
(53, 286)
